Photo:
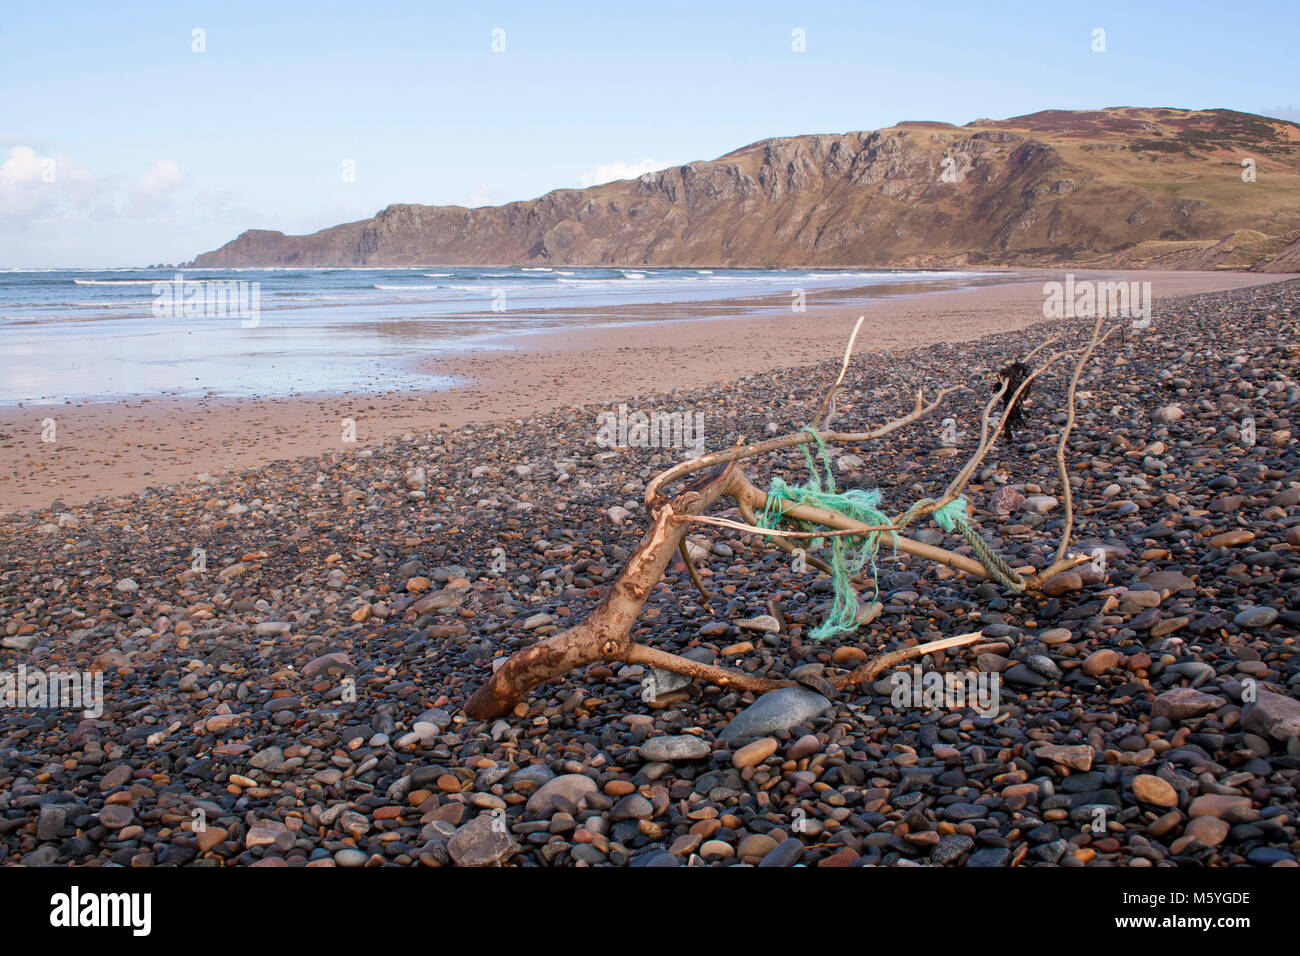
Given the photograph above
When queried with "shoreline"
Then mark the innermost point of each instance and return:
(135, 443)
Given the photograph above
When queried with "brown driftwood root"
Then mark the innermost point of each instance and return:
(606, 633)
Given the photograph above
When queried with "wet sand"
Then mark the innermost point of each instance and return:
(127, 446)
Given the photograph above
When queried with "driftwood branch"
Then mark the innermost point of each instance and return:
(826, 412)
(605, 634)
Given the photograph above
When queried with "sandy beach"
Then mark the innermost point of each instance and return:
(127, 446)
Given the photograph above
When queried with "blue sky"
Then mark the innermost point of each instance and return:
(158, 152)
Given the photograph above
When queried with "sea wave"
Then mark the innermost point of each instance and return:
(122, 281)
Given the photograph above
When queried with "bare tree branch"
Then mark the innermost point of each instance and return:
(823, 417)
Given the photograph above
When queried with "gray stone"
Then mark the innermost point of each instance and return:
(1254, 616)
(1039, 504)
(1172, 581)
(41, 856)
(1268, 855)
(632, 807)
(269, 757)
(115, 816)
(776, 711)
(1022, 675)
(787, 853)
(586, 853)
(1051, 852)
(665, 682)
(668, 749)
(571, 787)
(1272, 715)
(51, 821)
(989, 856)
(950, 848)
(538, 773)
(957, 812)
(764, 624)
(657, 858)
(482, 842)
(1043, 665)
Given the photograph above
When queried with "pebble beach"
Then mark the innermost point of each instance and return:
(295, 697)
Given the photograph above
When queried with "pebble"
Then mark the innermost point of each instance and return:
(1100, 661)
(764, 624)
(1076, 757)
(1154, 790)
(1183, 703)
(775, 711)
(1272, 715)
(989, 857)
(1208, 830)
(115, 816)
(1217, 805)
(754, 753)
(786, 853)
(1064, 583)
(572, 788)
(482, 841)
(668, 749)
(1252, 617)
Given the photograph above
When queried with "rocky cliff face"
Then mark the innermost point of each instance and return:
(1116, 187)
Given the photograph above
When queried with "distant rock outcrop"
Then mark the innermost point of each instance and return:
(1126, 187)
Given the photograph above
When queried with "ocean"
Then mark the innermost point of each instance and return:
(69, 335)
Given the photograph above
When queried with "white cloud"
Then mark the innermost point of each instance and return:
(33, 186)
(609, 172)
(155, 191)
(41, 188)
(162, 176)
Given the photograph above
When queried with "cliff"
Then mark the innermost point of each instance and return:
(1124, 187)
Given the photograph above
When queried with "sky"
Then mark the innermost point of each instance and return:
(142, 132)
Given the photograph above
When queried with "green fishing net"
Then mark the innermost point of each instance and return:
(851, 553)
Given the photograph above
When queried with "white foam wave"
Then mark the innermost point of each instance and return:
(125, 281)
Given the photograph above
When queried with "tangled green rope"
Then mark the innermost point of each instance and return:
(851, 553)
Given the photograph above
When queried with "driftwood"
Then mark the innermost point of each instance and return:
(606, 633)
